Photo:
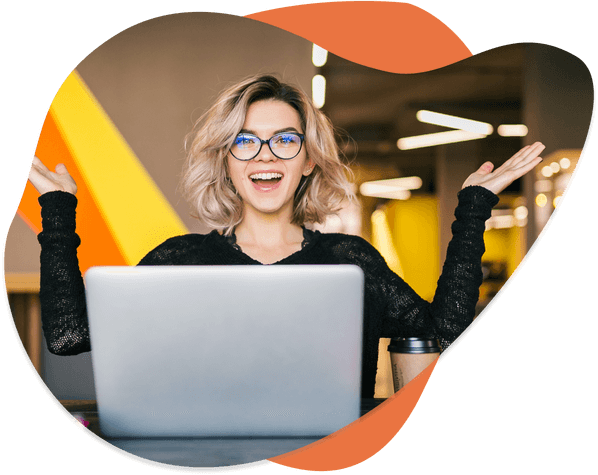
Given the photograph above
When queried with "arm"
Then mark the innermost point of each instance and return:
(462, 273)
(453, 307)
(457, 292)
(62, 293)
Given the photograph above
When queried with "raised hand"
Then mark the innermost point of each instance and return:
(515, 167)
(45, 181)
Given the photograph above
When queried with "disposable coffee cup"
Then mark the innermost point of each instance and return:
(414, 346)
(409, 357)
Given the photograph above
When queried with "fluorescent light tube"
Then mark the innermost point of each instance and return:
(454, 122)
(318, 88)
(440, 138)
(394, 188)
(391, 194)
(512, 130)
(319, 56)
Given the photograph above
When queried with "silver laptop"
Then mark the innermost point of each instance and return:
(196, 351)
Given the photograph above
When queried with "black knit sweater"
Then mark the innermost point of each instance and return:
(391, 307)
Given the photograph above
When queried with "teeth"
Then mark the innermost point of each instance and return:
(265, 176)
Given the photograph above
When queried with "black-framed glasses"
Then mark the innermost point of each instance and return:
(285, 145)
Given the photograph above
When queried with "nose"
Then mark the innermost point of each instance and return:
(265, 154)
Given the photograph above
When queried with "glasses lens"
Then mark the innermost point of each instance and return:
(285, 145)
(245, 147)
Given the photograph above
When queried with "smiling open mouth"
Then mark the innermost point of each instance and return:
(266, 179)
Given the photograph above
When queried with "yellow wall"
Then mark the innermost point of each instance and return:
(505, 245)
(407, 235)
(414, 226)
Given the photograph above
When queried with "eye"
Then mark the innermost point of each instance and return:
(286, 140)
(244, 141)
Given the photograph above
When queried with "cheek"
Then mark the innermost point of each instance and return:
(234, 170)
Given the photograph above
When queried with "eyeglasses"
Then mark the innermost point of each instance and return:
(285, 146)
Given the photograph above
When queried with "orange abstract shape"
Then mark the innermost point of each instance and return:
(394, 37)
(363, 438)
(97, 243)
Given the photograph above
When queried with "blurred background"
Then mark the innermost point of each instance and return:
(155, 79)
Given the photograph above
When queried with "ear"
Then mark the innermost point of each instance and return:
(309, 167)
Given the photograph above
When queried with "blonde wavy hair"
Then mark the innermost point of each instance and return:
(205, 182)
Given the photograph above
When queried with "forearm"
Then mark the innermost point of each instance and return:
(453, 307)
(62, 293)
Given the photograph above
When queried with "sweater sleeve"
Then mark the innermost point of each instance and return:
(404, 313)
(458, 286)
(62, 293)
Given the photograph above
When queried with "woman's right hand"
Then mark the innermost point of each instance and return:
(45, 181)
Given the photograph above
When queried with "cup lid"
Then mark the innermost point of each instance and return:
(414, 345)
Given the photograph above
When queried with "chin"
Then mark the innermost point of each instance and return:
(268, 207)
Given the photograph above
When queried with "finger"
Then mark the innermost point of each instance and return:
(533, 159)
(528, 165)
(37, 163)
(486, 168)
(522, 157)
(515, 174)
(39, 181)
(508, 163)
(530, 153)
(61, 169)
(41, 170)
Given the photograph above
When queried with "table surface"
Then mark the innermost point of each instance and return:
(198, 451)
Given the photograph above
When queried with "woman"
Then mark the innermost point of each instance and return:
(262, 163)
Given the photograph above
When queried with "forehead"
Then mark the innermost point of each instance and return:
(270, 116)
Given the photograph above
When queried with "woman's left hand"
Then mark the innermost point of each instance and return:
(515, 167)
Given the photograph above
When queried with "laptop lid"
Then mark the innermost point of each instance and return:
(226, 350)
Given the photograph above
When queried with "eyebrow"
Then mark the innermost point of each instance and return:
(279, 131)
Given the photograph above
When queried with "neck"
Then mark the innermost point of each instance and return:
(267, 231)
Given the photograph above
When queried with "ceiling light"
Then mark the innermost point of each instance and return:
(547, 171)
(512, 130)
(391, 194)
(440, 138)
(454, 122)
(520, 213)
(318, 88)
(404, 183)
(319, 56)
(395, 188)
(565, 163)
